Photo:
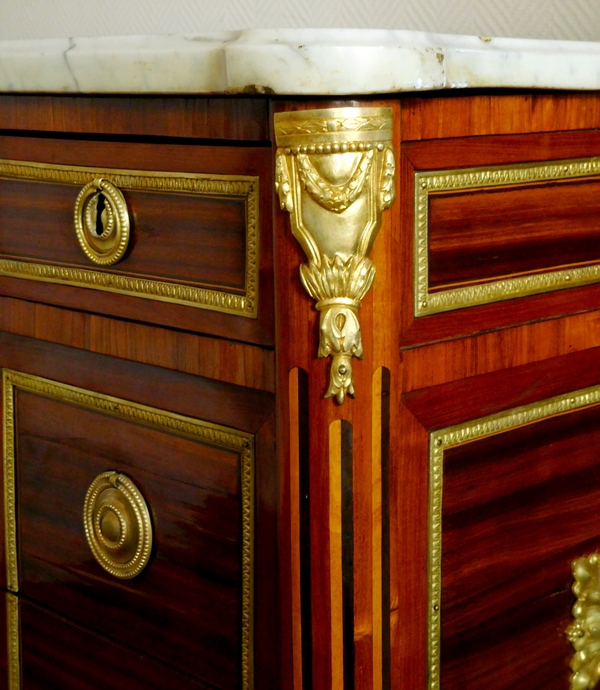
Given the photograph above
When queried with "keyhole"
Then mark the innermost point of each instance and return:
(100, 206)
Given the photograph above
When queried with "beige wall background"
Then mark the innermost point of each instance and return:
(554, 19)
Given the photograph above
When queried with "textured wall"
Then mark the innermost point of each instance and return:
(562, 19)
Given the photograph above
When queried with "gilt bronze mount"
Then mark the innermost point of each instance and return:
(584, 632)
(117, 525)
(335, 175)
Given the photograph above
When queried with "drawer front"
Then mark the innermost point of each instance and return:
(195, 228)
(192, 605)
(504, 231)
(195, 237)
(494, 233)
(520, 504)
(507, 503)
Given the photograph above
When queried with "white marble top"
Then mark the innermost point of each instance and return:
(294, 62)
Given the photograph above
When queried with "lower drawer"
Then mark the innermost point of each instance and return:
(57, 654)
(191, 447)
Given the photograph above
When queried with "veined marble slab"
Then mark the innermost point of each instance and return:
(294, 62)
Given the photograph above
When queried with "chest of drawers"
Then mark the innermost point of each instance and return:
(416, 532)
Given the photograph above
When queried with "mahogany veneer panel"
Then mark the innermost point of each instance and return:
(436, 116)
(192, 240)
(483, 234)
(58, 654)
(518, 507)
(224, 360)
(197, 241)
(486, 234)
(237, 118)
(184, 507)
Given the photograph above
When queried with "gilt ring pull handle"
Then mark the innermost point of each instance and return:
(102, 222)
(117, 525)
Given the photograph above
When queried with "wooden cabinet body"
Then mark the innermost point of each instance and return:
(419, 536)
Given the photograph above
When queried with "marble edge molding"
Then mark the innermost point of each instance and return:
(294, 62)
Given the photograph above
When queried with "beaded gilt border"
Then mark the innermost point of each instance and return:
(233, 186)
(458, 435)
(198, 430)
(13, 639)
(426, 183)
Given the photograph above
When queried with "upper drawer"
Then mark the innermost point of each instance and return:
(503, 218)
(197, 239)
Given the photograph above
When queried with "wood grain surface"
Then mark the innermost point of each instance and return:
(342, 535)
(518, 508)
(224, 360)
(551, 216)
(478, 113)
(159, 116)
(193, 584)
(58, 653)
(186, 239)
(490, 234)
(516, 511)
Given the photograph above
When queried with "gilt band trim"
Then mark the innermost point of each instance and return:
(13, 638)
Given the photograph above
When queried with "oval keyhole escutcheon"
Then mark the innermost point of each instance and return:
(102, 222)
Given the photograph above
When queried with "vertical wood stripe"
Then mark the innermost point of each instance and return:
(335, 555)
(347, 471)
(300, 530)
(305, 522)
(295, 527)
(381, 532)
(377, 532)
(385, 400)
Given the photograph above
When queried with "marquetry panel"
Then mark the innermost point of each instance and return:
(189, 445)
(495, 220)
(195, 243)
